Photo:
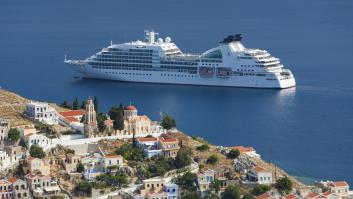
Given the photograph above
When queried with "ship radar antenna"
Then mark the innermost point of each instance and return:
(150, 36)
(65, 57)
(111, 42)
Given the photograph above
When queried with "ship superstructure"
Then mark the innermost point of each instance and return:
(161, 61)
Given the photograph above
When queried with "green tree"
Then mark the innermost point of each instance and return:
(231, 192)
(37, 151)
(96, 104)
(114, 111)
(168, 122)
(133, 140)
(190, 195)
(80, 168)
(75, 104)
(284, 185)
(234, 153)
(212, 159)
(83, 105)
(130, 153)
(211, 195)
(203, 147)
(260, 189)
(248, 196)
(14, 135)
(216, 185)
(183, 157)
(66, 104)
(187, 181)
(84, 188)
(101, 118)
(118, 123)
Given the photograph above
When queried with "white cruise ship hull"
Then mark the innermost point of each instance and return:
(184, 78)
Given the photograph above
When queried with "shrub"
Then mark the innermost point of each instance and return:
(260, 189)
(284, 185)
(36, 151)
(234, 153)
(213, 159)
(203, 147)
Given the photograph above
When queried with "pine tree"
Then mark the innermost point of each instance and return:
(75, 104)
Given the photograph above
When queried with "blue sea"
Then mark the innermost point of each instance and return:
(307, 130)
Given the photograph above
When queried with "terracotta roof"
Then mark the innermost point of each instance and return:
(12, 179)
(71, 119)
(243, 149)
(327, 193)
(290, 196)
(264, 196)
(259, 169)
(72, 113)
(131, 108)
(311, 195)
(169, 140)
(147, 139)
(338, 184)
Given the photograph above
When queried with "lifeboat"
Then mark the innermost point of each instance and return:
(224, 72)
(206, 71)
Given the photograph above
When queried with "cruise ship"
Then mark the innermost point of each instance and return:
(161, 61)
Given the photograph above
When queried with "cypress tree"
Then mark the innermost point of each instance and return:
(118, 123)
(95, 101)
(83, 105)
(75, 104)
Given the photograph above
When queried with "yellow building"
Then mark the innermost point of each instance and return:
(134, 123)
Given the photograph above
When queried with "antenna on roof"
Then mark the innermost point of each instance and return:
(111, 42)
(65, 57)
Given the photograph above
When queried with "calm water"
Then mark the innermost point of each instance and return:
(309, 129)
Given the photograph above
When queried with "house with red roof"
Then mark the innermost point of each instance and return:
(6, 189)
(340, 188)
(72, 118)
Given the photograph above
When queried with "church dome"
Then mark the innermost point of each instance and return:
(131, 108)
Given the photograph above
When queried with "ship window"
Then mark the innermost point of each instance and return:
(213, 53)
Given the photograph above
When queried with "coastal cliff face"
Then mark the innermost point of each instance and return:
(12, 107)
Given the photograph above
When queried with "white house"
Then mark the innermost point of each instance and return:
(172, 190)
(260, 175)
(204, 180)
(5, 160)
(150, 146)
(42, 112)
(38, 139)
(110, 161)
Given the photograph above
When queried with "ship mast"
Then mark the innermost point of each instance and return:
(150, 36)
